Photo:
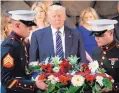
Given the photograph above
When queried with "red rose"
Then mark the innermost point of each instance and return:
(64, 79)
(41, 77)
(90, 77)
(64, 66)
(47, 68)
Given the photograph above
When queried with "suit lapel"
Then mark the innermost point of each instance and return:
(48, 39)
(68, 41)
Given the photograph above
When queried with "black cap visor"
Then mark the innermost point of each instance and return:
(28, 23)
(56, 3)
(97, 33)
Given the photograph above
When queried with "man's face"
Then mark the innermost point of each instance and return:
(56, 18)
(104, 39)
(24, 30)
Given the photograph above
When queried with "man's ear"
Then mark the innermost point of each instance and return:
(111, 32)
(17, 24)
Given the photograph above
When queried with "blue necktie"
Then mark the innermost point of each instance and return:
(59, 47)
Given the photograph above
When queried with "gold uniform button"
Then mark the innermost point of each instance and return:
(101, 63)
(103, 57)
(30, 86)
(104, 52)
(117, 45)
(25, 85)
(21, 58)
(116, 86)
(106, 47)
(19, 84)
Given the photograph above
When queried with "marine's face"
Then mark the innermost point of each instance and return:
(24, 30)
(104, 39)
(87, 17)
(56, 18)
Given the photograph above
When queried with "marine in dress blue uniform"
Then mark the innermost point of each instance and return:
(107, 54)
(14, 58)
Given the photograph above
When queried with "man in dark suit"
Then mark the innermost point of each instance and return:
(44, 41)
(107, 52)
(14, 58)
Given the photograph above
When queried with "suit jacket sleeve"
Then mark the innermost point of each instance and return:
(33, 51)
(81, 48)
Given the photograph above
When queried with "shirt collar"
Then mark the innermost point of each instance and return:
(55, 30)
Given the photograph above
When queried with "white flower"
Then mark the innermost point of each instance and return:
(112, 80)
(53, 79)
(47, 60)
(56, 69)
(93, 66)
(77, 80)
(99, 79)
(34, 63)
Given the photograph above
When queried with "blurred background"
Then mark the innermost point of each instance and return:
(105, 9)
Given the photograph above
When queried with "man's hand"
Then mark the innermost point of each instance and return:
(41, 85)
(105, 90)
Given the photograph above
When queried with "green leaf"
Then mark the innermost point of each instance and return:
(96, 88)
(101, 70)
(107, 83)
(51, 87)
(73, 60)
(59, 85)
(72, 89)
(35, 68)
(62, 90)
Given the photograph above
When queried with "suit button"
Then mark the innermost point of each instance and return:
(106, 47)
(104, 52)
(21, 58)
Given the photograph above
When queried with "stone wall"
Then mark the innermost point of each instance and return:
(106, 9)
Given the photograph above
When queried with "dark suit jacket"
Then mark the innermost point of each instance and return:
(42, 44)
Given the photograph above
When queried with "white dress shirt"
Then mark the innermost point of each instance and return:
(62, 38)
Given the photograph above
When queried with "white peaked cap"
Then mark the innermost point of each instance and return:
(102, 24)
(26, 15)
